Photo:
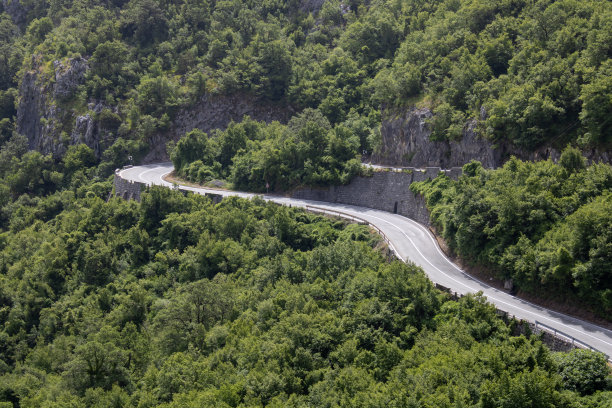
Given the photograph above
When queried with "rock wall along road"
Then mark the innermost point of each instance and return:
(384, 190)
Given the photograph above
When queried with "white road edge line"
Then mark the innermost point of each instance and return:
(195, 189)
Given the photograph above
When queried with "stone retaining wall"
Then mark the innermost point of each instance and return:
(131, 190)
(128, 190)
(384, 190)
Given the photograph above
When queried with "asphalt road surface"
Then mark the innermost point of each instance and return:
(413, 242)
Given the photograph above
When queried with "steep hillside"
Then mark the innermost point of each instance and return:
(545, 226)
(528, 75)
(176, 302)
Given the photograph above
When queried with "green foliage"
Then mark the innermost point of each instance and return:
(254, 155)
(533, 73)
(175, 301)
(79, 157)
(108, 59)
(529, 389)
(527, 64)
(11, 54)
(195, 145)
(117, 155)
(595, 97)
(571, 160)
(144, 21)
(8, 112)
(546, 226)
(179, 302)
(582, 370)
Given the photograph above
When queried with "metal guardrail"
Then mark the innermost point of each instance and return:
(557, 333)
(342, 214)
(564, 336)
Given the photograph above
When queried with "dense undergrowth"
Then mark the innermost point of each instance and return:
(181, 303)
(534, 72)
(177, 302)
(254, 156)
(546, 226)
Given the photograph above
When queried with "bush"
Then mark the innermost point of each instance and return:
(583, 371)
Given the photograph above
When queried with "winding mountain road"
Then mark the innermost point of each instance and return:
(413, 242)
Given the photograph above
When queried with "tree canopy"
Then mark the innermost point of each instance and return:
(547, 226)
(177, 302)
(255, 156)
(531, 72)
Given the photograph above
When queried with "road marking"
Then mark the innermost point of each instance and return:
(145, 172)
(443, 255)
(491, 297)
(302, 203)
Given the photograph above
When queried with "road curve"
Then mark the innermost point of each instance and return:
(413, 242)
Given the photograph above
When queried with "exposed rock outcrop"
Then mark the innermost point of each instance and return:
(406, 142)
(31, 109)
(42, 117)
(311, 6)
(216, 112)
(68, 78)
(39, 116)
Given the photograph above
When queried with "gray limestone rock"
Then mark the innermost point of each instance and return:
(30, 109)
(216, 112)
(68, 78)
(405, 142)
(38, 117)
(86, 131)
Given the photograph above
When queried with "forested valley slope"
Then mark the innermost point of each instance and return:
(175, 301)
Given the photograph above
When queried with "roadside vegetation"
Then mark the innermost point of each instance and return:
(176, 302)
(252, 155)
(533, 72)
(546, 226)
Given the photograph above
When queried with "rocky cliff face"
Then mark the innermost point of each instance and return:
(215, 112)
(68, 77)
(406, 143)
(39, 117)
(50, 125)
(31, 109)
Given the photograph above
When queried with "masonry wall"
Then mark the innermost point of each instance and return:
(380, 191)
(384, 190)
(129, 190)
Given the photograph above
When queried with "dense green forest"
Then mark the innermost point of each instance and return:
(177, 302)
(546, 226)
(253, 155)
(534, 71)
